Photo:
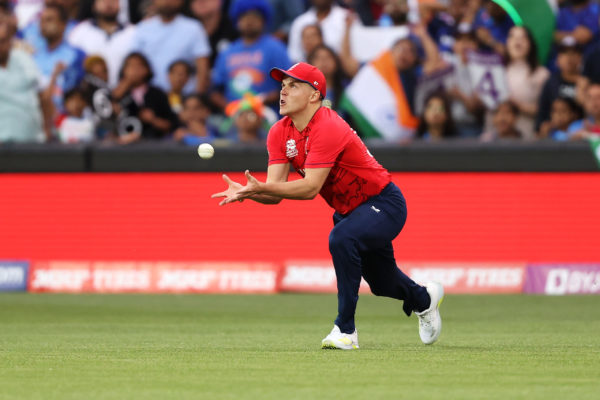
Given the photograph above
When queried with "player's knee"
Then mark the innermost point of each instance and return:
(338, 239)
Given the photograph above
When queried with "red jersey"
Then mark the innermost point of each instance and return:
(328, 141)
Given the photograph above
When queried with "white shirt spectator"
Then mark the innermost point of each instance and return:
(526, 87)
(112, 48)
(20, 111)
(163, 43)
(333, 27)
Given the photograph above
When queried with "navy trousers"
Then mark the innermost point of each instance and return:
(360, 244)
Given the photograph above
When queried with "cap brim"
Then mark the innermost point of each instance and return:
(279, 74)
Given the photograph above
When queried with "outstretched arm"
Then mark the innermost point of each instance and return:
(302, 189)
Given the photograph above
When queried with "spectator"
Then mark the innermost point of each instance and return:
(591, 67)
(130, 12)
(443, 27)
(212, 14)
(408, 63)
(369, 11)
(20, 100)
(97, 95)
(245, 65)
(399, 70)
(180, 73)
(562, 83)
(578, 20)
(96, 77)
(436, 122)
(325, 59)
(143, 109)
(61, 64)
(103, 35)
(492, 25)
(247, 119)
(32, 33)
(504, 123)
(590, 125)
(330, 17)
(194, 117)
(564, 112)
(284, 13)
(467, 109)
(395, 13)
(312, 36)
(8, 17)
(169, 36)
(525, 78)
(75, 125)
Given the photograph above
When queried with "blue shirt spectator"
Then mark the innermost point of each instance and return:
(492, 25)
(32, 33)
(60, 64)
(72, 58)
(244, 67)
(442, 29)
(582, 13)
(169, 37)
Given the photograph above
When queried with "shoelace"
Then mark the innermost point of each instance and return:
(426, 319)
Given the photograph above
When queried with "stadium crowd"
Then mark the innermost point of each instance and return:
(194, 71)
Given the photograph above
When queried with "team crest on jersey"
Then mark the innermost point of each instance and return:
(291, 150)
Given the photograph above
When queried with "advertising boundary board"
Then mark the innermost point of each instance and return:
(297, 276)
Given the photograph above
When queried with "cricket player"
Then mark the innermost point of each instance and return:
(370, 210)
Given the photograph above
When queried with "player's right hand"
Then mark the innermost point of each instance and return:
(230, 194)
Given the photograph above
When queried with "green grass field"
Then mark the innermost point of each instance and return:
(267, 347)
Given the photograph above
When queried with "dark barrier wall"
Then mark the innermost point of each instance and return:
(459, 156)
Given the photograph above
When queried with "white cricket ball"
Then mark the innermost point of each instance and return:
(206, 151)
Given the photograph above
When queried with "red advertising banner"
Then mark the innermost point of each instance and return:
(466, 217)
(153, 277)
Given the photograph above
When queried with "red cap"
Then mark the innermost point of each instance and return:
(305, 73)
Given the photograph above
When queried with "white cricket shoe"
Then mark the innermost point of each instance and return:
(338, 340)
(430, 322)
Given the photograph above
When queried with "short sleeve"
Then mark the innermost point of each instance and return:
(201, 46)
(326, 143)
(275, 146)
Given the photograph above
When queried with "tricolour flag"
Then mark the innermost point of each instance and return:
(377, 103)
(537, 15)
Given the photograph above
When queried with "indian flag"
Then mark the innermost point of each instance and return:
(537, 15)
(377, 103)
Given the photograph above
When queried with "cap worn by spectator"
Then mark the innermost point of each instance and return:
(568, 43)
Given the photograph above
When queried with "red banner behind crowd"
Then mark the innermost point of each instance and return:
(493, 217)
